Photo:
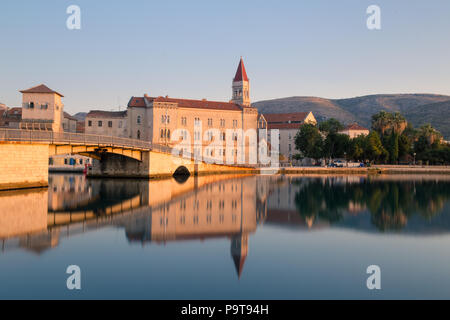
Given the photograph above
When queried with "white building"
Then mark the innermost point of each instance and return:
(288, 125)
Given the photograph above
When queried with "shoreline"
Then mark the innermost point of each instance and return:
(376, 170)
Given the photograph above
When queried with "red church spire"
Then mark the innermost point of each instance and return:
(241, 74)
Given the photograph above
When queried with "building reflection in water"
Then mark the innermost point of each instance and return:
(224, 206)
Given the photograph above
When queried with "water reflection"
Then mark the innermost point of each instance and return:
(226, 206)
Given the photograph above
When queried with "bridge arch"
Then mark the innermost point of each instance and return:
(181, 171)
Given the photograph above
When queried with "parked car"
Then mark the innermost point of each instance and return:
(337, 164)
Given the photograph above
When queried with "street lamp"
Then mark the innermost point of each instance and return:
(414, 158)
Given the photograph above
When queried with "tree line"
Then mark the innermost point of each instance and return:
(392, 140)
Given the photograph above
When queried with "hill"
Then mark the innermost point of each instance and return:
(80, 116)
(417, 108)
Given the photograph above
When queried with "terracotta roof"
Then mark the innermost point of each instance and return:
(68, 116)
(285, 120)
(241, 74)
(137, 102)
(42, 88)
(187, 103)
(14, 112)
(355, 126)
(106, 114)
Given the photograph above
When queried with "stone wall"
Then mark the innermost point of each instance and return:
(153, 165)
(23, 165)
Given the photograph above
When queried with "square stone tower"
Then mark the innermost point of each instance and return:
(42, 109)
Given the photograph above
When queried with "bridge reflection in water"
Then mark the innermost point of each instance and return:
(202, 207)
(223, 206)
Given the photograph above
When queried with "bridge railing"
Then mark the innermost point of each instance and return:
(51, 137)
(37, 136)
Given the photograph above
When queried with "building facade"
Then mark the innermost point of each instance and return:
(354, 130)
(200, 122)
(288, 125)
(42, 109)
(69, 123)
(110, 123)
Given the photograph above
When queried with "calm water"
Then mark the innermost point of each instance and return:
(231, 237)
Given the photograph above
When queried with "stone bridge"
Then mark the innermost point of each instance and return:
(24, 157)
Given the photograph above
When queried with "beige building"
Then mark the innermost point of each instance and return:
(11, 118)
(354, 130)
(288, 125)
(110, 123)
(42, 109)
(155, 119)
(69, 123)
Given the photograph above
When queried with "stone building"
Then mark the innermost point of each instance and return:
(155, 119)
(69, 123)
(354, 130)
(110, 123)
(42, 109)
(288, 125)
(11, 118)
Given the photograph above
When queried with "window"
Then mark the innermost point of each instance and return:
(210, 122)
(290, 148)
(168, 119)
(90, 123)
(100, 123)
(120, 124)
(235, 123)
(44, 106)
(138, 120)
(183, 121)
(138, 134)
(110, 124)
(222, 122)
(162, 133)
(31, 105)
(168, 133)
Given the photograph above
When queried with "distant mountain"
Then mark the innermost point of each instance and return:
(80, 116)
(417, 108)
(438, 114)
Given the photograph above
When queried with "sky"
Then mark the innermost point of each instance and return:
(191, 49)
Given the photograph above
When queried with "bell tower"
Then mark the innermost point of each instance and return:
(241, 86)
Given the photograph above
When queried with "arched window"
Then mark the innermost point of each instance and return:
(139, 134)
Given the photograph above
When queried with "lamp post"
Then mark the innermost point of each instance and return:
(414, 158)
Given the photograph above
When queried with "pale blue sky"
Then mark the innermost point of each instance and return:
(191, 49)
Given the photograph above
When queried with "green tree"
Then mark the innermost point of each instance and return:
(336, 145)
(309, 141)
(393, 147)
(358, 148)
(331, 126)
(375, 150)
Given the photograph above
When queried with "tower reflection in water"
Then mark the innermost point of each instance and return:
(205, 207)
(224, 206)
